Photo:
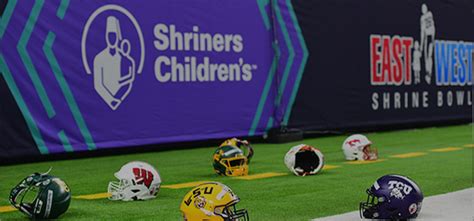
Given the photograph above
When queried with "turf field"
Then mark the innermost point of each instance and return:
(438, 159)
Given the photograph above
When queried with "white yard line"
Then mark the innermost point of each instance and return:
(455, 206)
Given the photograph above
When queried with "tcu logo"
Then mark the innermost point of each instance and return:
(143, 176)
(398, 189)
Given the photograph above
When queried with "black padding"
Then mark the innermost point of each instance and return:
(307, 160)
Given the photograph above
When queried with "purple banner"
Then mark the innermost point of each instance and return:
(100, 74)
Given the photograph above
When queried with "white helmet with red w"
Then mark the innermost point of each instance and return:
(136, 181)
(357, 147)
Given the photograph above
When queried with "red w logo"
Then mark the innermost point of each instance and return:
(143, 176)
(353, 142)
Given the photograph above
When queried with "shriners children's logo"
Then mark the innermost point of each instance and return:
(117, 55)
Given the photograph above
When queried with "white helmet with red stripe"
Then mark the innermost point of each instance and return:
(136, 181)
(358, 147)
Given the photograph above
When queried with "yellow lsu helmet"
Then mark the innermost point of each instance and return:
(212, 201)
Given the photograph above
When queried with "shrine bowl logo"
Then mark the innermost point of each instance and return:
(403, 62)
(113, 52)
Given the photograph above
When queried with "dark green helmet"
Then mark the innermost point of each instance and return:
(41, 196)
(230, 161)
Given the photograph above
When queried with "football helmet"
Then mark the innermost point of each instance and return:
(244, 145)
(358, 147)
(41, 196)
(229, 160)
(136, 181)
(212, 201)
(392, 197)
(304, 160)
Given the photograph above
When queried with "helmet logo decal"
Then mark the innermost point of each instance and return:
(197, 194)
(143, 176)
(200, 202)
(38, 206)
(413, 208)
(223, 192)
(353, 142)
(399, 189)
(49, 202)
(397, 194)
(376, 185)
(188, 201)
(62, 184)
(232, 151)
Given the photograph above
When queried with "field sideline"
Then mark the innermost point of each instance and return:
(438, 159)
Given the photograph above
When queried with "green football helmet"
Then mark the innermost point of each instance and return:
(230, 161)
(41, 196)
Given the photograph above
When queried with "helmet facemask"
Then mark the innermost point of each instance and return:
(230, 161)
(130, 189)
(41, 196)
(369, 153)
(235, 166)
(231, 213)
(25, 195)
(369, 208)
(118, 189)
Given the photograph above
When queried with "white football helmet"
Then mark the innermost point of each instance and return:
(137, 181)
(304, 160)
(358, 147)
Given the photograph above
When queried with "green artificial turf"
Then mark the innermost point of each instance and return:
(279, 198)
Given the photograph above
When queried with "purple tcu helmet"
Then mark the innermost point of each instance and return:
(392, 197)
